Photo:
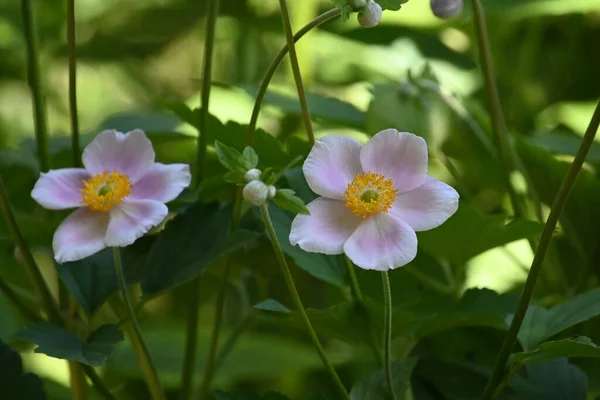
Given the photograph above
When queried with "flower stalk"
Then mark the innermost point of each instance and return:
(71, 44)
(264, 210)
(387, 332)
(35, 84)
(134, 332)
(536, 266)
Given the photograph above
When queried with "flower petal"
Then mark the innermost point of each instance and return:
(400, 156)
(132, 219)
(331, 165)
(131, 154)
(80, 235)
(382, 242)
(427, 206)
(326, 229)
(59, 189)
(162, 182)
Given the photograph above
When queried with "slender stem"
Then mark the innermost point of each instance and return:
(98, 384)
(262, 90)
(78, 384)
(264, 209)
(234, 336)
(35, 84)
(33, 271)
(209, 41)
(387, 332)
(209, 366)
(135, 334)
(358, 296)
(71, 44)
(289, 37)
(536, 265)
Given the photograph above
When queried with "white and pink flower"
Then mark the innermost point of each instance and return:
(120, 194)
(374, 198)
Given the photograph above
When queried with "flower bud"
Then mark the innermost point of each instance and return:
(370, 15)
(256, 192)
(272, 191)
(446, 8)
(252, 175)
(357, 5)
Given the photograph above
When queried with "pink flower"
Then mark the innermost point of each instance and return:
(120, 194)
(373, 200)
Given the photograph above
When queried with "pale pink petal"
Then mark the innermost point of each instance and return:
(162, 182)
(326, 229)
(131, 154)
(382, 242)
(131, 219)
(331, 165)
(80, 235)
(427, 206)
(59, 189)
(400, 156)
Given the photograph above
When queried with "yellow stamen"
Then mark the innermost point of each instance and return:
(105, 190)
(369, 194)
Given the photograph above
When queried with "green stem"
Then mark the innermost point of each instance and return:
(35, 84)
(209, 41)
(264, 209)
(71, 44)
(77, 381)
(245, 324)
(358, 296)
(262, 90)
(135, 334)
(536, 265)
(387, 332)
(98, 384)
(289, 37)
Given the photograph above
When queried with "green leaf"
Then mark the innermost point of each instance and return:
(93, 279)
(393, 5)
(346, 10)
(234, 177)
(231, 159)
(540, 323)
(251, 156)
(557, 380)
(56, 342)
(563, 143)
(272, 305)
(297, 181)
(189, 243)
(330, 269)
(14, 382)
(375, 386)
(287, 200)
(478, 233)
(249, 396)
(578, 347)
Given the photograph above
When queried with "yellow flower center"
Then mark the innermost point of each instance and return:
(369, 194)
(102, 191)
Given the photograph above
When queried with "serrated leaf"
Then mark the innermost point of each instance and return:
(375, 386)
(14, 382)
(251, 156)
(272, 305)
(287, 200)
(231, 159)
(57, 342)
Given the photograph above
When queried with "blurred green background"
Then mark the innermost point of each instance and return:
(136, 57)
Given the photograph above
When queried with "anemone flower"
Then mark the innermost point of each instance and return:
(374, 198)
(120, 194)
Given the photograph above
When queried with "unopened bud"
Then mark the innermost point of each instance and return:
(446, 8)
(272, 191)
(252, 175)
(256, 192)
(370, 15)
(356, 5)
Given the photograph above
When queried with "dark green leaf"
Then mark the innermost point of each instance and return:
(231, 159)
(556, 380)
(327, 268)
(287, 200)
(184, 113)
(189, 243)
(272, 305)
(251, 156)
(478, 233)
(579, 347)
(234, 177)
(14, 382)
(296, 180)
(564, 143)
(393, 5)
(56, 342)
(375, 387)
(249, 396)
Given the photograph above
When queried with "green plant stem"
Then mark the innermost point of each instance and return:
(209, 42)
(135, 334)
(246, 323)
(35, 84)
(358, 296)
(387, 332)
(71, 44)
(536, 265)
(77, 381)
(98, 384)
(264, 210)
(262, 90)
(289, 37)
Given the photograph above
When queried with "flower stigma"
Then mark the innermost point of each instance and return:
(369, 194)
(103, 191)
